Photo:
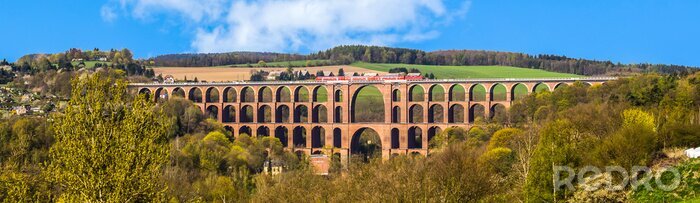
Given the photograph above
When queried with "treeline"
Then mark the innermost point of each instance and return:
(74, 59)
(347, 54)
(562, 64)
(220, 59)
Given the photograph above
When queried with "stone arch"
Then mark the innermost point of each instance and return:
(395, 138)
(338, 114)
(282, 134)
(246, 113)
(178, 92)
(245, 130)
(337, 138)
(195, 95)
(370, 108)
(415, 137)
(436, 114)
(284, 94)
(265, 114)
(560, 85)
(416, 93)
(396, 95)
(212, 94)
(456, 114)
(213, 111)
(415, 114)
(299, 137)
(230, 129)
(338, 96)
(498, 92)
(477, 93)
(301, 114)
(518, 91)
(265, 94)
(229, 114)
(161, 94)
(476, 110)
(247, 94)
(539, 87)
(282, 114)
(263, 131)
(432, 131)
(318, 137)
(436, 93)
(396, 114)
(366, 143)
(320, 94)
(146, 92)
(229, 94)
(497, 112)
(320, 114)
(457, 93)
(301, 94)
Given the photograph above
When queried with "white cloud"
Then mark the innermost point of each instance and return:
(107, 14)
(293, 25)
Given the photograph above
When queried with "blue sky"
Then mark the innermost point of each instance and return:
(628, 31)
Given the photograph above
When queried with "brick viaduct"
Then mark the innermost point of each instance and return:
(290, 110)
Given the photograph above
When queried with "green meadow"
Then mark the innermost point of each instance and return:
(459, 72)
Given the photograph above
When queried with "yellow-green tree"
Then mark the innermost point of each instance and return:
(108, 149)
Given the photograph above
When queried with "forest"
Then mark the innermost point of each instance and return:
(111, 145)
(348, 54)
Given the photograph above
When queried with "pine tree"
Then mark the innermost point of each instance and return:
(341, 72)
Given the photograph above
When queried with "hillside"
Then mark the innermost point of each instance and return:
(343, 55)
(454, 72)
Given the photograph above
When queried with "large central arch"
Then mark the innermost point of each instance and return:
(367, 105)
(366, 144)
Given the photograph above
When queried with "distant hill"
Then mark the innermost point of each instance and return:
(348, 54)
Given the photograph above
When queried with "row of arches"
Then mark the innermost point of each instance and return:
(477, 92)
(300, 138)
(416, 93)
(248, 94)
(319, 114)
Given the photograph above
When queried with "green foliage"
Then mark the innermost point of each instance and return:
(504, 138)
(687, 189)
(118, 148)
(633, 144)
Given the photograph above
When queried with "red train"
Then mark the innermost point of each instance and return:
(410, 76)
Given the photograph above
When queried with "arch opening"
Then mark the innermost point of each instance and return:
(337, 138)
(367, 105)
(229, 94)
(366, 145)
(301, 114)
(284, 94)
(436, 114)
(477, 93)
(301, 94)
(498, 92)
(229, 114)
(456, 114)
(247, 94)
(416, 93)
(213, 112)
(264, 114)
(415, 114)
(299, 139)
(282, 114)
(320, 94)
(265, 95)
(318, 137)
(247, 114)
(457, 93)
(415, 138)
(437, 93)
(196, 95)
(282, 134)
(212, 94)
(395, 138)
(476, 112)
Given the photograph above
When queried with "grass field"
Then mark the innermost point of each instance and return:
(90, 64)
(284, 63)
(454, 72)
(222, 73)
